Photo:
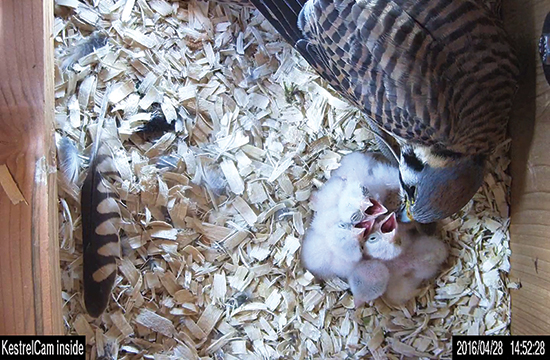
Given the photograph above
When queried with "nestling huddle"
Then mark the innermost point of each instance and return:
(355, 234)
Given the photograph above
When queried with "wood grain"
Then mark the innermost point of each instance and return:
(530, 169)
(30, 286)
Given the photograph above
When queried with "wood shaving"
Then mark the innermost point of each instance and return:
(213, 212)
(10, 186)
(155, 322)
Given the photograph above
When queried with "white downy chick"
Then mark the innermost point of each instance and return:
(353, 202)
(410, 257)
(331, 248)
(368, 281)
(315, 256)
(380, 179)
(384, 242)
(401, 289)
(345, 211)
(422, 260)
(357, 189)
(328, 195)
(332, 244)
(347, 199)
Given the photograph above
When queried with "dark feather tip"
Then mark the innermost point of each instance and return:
(95, 41)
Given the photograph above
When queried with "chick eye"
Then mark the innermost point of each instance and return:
(356, 217)
(373, 239)
(343, 226)
(365, 190)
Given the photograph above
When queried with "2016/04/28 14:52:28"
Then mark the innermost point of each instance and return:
(497, 345)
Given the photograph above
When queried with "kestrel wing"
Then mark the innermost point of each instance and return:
(433, 72)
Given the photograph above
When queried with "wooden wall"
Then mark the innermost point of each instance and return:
(530, 169)
(30, 286)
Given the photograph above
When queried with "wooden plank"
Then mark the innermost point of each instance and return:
(530, 206)
(30, 286)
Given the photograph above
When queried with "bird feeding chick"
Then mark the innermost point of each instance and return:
(353, 235)
(409, 256)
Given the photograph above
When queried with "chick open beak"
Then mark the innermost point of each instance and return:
(389, 224)
(375, 209)
(366, 225)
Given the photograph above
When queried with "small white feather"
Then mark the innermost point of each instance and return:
(214, 179)
(68, 159)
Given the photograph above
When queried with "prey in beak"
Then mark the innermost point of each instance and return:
(404, 214)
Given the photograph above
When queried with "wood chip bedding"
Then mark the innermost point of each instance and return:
(214, 209)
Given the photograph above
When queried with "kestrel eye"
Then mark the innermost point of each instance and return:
(373, 239)
(411, 192)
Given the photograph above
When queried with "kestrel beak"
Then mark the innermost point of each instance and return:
(408, 209)
(405, 215)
